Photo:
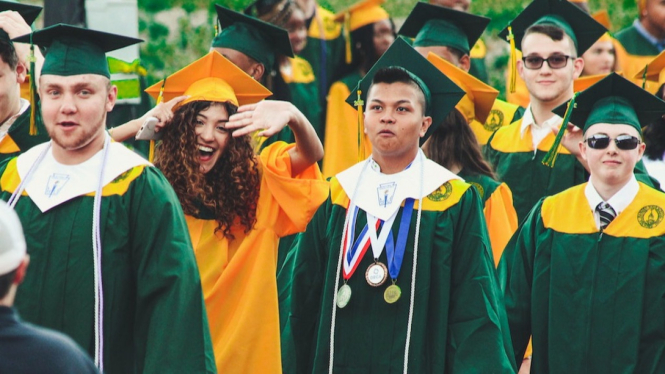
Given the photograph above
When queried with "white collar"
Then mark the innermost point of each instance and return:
(528, 120)
(53, 183)
(382, 194)
(4, 128)
(619, 201)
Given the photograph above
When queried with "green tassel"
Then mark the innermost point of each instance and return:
(33, 131)
(550, 156)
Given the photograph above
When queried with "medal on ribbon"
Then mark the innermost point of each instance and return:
(395, 253)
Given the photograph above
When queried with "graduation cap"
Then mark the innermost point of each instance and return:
(441, 94)
(211, 78)
(614, 100)
(74, 50)
(363, 13)
(259, 40)
(654, 71)
(28, 12)
(582, 83)
(480, 95)
(433, 25)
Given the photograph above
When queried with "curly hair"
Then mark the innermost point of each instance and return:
(230, 189)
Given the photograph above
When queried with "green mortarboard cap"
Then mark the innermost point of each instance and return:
(614, 100)
(433, 25)
(28, 12)
(74, 50)
(578, 25)
(259, 40)
(444, 94)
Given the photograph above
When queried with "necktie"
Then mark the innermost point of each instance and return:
(607, 214)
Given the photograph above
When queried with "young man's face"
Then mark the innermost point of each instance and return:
(244, 62)
(394, 119)
(611, 166)
(546, 84)
(74, 109)
(654, 16)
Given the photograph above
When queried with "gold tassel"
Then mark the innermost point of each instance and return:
(361, 124)
(550, 156)
(513, 60)
(347, 37)
(33, 92)
(644, 77)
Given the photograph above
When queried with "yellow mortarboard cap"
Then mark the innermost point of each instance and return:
(582, 83)
(654, 71)
(603, 18)
(362, 13)
(481, 95)
(211, 78)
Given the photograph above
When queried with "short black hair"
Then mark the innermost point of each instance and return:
(397, 74)
(8, 53)
(6, 282)
(555, 33)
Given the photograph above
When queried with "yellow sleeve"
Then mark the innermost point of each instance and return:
(341, 140)
(297, 197)
(501, 219)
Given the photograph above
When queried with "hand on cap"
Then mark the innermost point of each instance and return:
(268, 116)
(14, 25)
(571, 139)
(163, 112)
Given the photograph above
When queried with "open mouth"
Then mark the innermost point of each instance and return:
(205, 153)
(67, 124)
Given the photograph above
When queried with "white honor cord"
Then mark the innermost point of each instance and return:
(96, 244)
(339, 266)
(415, 263)
(97, 258)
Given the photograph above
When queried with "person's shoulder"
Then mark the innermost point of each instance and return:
(58, 350)
(504, 138)
(626, 34)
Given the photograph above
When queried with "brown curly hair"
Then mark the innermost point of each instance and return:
(230, 189)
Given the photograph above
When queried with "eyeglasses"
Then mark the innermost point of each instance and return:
(602, 141)
(554, 61)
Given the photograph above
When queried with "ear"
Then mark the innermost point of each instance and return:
(21, 270)
(640, 150)
(111, 98)
(578, 66)
(583, 148)
(257, 71)
(465, 63)
(520, 68)
(427, 122)
(21, 72)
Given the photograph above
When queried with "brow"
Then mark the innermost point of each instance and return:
(404, 101)
(206, 117)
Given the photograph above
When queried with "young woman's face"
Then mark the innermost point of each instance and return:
(211, 135)
(297, 29)
(384, 36)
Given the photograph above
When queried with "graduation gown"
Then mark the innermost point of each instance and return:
(520, 167)
(594, 302)
(500, 215)
(154, 316)
(633, 53)
(477, 54)
(238, 276)
(18, 138)
(302, 87)
(458, 319)
(324, 50)
(341, 141)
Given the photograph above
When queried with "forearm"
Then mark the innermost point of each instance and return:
(308, 149)
(126, 131)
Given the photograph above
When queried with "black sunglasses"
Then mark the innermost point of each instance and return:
(602, 141)
(554, 61)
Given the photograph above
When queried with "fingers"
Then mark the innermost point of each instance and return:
(247, 108)
(175, 101)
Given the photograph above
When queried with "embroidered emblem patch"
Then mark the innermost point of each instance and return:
(55, 184)
(441, 193)
(480, 189)
(650, 216)
(494, 120)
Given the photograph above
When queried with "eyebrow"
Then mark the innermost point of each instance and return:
(403, 101)
(204, 116)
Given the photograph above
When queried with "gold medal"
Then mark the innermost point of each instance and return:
(376, 274)
(392, 294)
(343, 295)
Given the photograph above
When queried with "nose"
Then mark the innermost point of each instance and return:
(612, 147)
(68, 105)
(387, 117)
(206, 133)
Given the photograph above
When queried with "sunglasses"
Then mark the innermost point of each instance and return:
(623, 142)
(554, 61)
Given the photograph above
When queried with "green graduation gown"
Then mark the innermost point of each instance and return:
(458, 317)
(594, 302)
(154, 316)
(521, 168)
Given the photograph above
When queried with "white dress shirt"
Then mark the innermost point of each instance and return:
(618, 202)
(10, 121)
(538, 132)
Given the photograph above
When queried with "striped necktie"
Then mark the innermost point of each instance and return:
(606, 213)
